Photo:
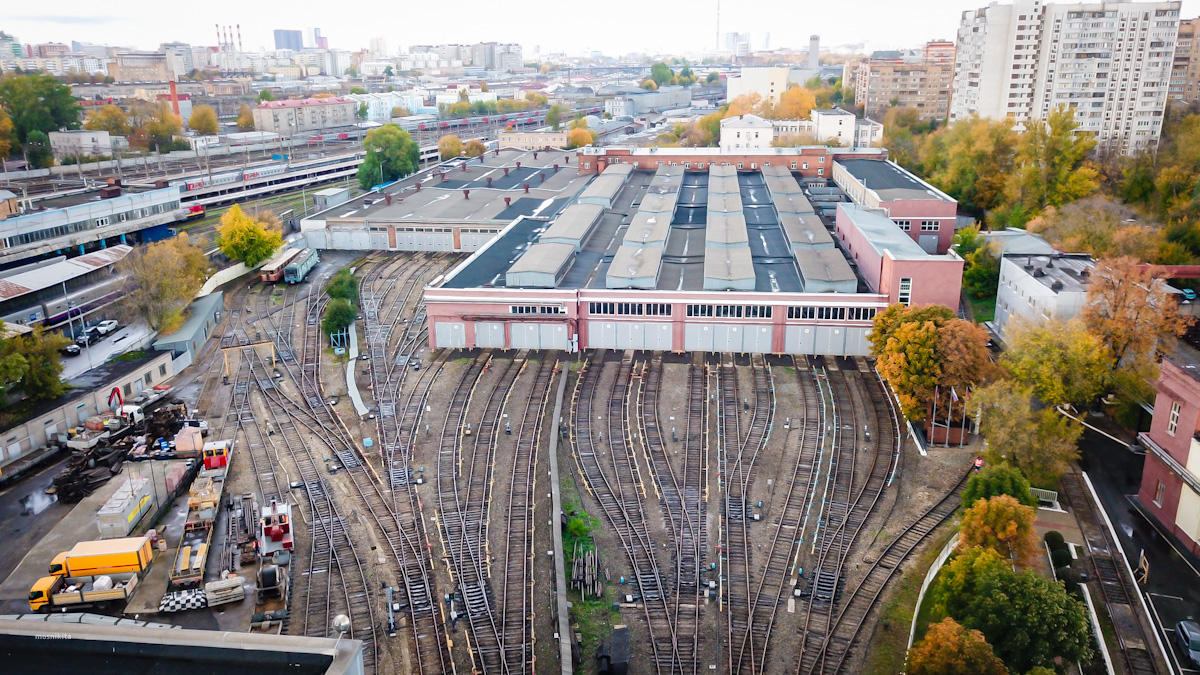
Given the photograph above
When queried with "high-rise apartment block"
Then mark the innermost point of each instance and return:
(1110, 62)
(289, 39)
(919, 79)
(1185, 69)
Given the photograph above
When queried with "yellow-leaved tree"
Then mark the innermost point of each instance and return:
(244, 239)
(161, 279)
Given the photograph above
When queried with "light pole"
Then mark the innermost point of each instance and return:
(87, 346)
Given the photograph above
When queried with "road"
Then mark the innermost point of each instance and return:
(1173, 587)
(27, 514)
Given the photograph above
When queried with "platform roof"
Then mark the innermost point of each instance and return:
(721, 170)
(882, 233)
(635, 262)
(575, 222)
(825, 264)
(805, 231)
(647, 228)
(547, 258)
(728, 264)
(728, 229)
(40, 276)
(783, 185)
(797, 204)
(891, 182)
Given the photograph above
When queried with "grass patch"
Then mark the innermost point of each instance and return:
(593, 619)
(890, 644)
(129, 356)
(924, 611)
(984, 309)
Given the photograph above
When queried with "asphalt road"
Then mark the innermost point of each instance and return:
(1173, 587)
(27, 514)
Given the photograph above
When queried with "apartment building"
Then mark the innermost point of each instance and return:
(288, 117)
(1109, 61)
(1185, 68)
(140, 67)
(919, 79)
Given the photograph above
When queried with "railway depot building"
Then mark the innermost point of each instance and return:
(642, 255)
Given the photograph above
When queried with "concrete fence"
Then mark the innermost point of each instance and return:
(929, 576)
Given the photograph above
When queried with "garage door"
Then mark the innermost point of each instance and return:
(489, 334)
(450, 334)
(857, 343)
(630, 336)
(659, 336)
(697, 337)
(757, 339)
(552, 336)
(799, 339)
(727, 338)
(831, 340)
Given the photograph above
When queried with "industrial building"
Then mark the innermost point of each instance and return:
(678, 251)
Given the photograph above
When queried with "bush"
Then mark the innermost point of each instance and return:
(343, 285)
(1054, 540)
(339, 314)
(997, 479)
(1061, 557)
(1070, 579)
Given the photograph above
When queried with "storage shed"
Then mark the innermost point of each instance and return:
(634, 267)
(825, 271)
(573, 225)
(542, 266)
(728, 269)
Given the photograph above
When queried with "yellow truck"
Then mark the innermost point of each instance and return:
(129, 555)
(59, 592)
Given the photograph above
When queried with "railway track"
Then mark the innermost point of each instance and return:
(683, 498)
(851, 496)
(606, 461)
(738, 445)
(1117, 589)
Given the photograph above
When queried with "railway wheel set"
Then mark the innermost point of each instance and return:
(743, 508)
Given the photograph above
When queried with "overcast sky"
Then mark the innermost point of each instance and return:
(615, 27)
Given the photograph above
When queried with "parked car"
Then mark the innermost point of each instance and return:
(89, 337)
(1187, 634)
(1189, 294)
(71, 349)
(106, 327)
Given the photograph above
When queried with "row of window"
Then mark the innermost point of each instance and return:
(536, 309)
(84, 225)
(629, 308)
(731, 311)
(832, 313)
(926, 225)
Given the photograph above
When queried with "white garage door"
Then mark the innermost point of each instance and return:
(489, 334)
(698, 337)
(450, 334)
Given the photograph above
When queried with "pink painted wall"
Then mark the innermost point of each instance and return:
(934, 281)
(1153, 471)
(1175, 385)
(916, 210)
(870, 265)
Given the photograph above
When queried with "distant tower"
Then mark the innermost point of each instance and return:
(814, 52)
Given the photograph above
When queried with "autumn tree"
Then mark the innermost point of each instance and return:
(37, 103)
(474, 148)
(950, 649)
(1041, 443)
(1100, 226)
(108, 118)
(1051, 167)
(161, 125)
(1029, 620)
(995, 480)
(203, 120)
(746, 104)
(1002, 524)
(713, 78)
(580, 137)
(245, 120)
(449, 147)
(245, 239)
(536, 99)
(6, 130)
(795, 103)
(925, 350)
(161, 279)
(971, 160)
(391, 154)
(901, 130)
(1131, 313)
(400, 111)
(1059, 360)
(554, 116)
(649, 84)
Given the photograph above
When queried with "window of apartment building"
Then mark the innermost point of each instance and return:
(820, 171)
(1173, 420)
(805, 165)
(904, 296)
(1159, 491)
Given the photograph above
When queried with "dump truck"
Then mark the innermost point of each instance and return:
(104, 557)
(59, 592)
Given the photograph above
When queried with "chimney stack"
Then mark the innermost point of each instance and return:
(466, 194)
(527, 188)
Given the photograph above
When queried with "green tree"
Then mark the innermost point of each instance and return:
(343, 285)
(713, 78)
(37, 149)
(245, 239)
(391, 154)
(245, 120)
(361, 113)
(203, 120)
(42, 378)
(37, 103)
(1051, 165)
(108, 118)
(352, 71)
(1041, 443)
(950, 649)
(265, 95)
(1060, 360)
(981, 278)
(161, 278)
(661, 73)
(357, 90)
(971, 160)
(997, 479)
(449, 147)
(1002, 524)
(339, 314)
(554, 116)
(388, 71)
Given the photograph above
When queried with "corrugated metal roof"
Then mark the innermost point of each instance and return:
(44, 277)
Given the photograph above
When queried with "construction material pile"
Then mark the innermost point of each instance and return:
(87, 471)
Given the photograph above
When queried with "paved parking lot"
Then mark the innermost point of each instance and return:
(111, 345)
(1169, 610)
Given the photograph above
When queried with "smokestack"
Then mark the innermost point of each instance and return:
(814, 52)
(174, 99)
(218, 27)
(239, 29)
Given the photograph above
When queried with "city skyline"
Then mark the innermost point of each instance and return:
(651, 29)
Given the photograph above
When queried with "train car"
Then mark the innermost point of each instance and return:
(194, 212)
(262, 172)
(272, 271)
(300, 266)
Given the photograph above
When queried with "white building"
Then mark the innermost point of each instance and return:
(746, 132)
(1110, 61)
(768, 82)
(380, 105)
(80, 142)
(1041, 287)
